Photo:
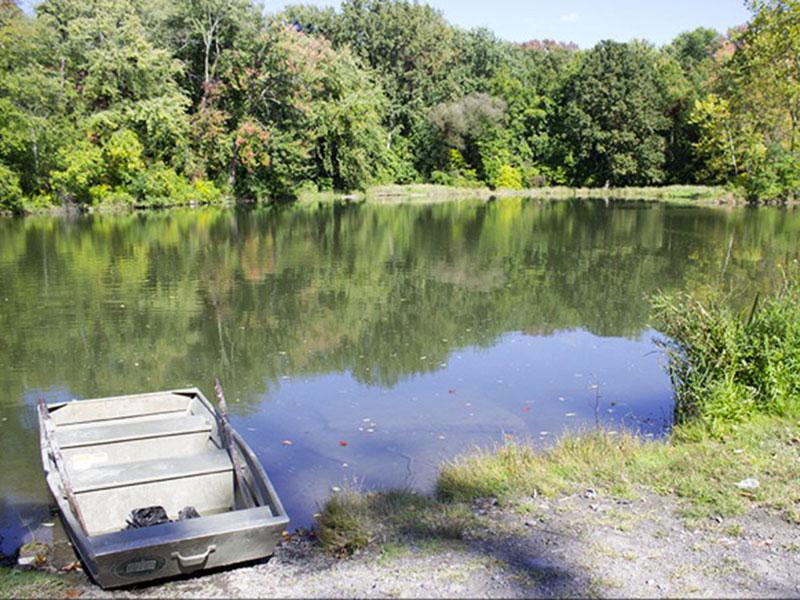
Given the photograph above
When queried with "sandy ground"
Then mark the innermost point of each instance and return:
(577, 546)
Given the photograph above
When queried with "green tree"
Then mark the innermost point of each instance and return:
(688, 67)
(465, 123)
(614, 118)
(411, 46)
(34, 105)
(750, 120)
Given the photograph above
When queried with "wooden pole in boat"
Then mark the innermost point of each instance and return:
(58, 459)
(227, 440)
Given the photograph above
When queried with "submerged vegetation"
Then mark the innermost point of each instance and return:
(736, 382)
(149, 103)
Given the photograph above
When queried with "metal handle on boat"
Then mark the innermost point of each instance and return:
(194, 561)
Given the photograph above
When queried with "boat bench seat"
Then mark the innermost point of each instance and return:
(108, 493)
(150, 471)
(90, 435)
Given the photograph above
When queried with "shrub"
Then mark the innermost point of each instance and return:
(40, 201)
(81, 169)
(122, 155)
(726, 365)
(204, 191)
(10, 192)
(158, 186)
(508, 178)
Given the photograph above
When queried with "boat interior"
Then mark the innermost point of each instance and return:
(135, 452)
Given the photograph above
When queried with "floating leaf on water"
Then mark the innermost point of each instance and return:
(342, 443)
(287, 442)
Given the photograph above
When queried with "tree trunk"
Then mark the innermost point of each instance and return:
(233, 165)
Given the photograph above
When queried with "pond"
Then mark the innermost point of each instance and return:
(362, 345)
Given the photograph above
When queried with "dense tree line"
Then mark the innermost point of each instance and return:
(154, 102)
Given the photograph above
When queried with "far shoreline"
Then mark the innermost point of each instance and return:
(687, 195)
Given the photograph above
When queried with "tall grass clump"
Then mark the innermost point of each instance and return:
(728, 365)
(352, 520)
(515, 468)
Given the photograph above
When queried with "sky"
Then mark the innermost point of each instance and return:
(584, 22)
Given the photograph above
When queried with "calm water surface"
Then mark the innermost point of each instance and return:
(409, 332)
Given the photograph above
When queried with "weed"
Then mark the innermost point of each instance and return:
(352, 520)
(725, 365)
(16, 583)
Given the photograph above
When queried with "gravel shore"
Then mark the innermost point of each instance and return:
(579, 546)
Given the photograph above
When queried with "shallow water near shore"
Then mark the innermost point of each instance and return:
(362, 345)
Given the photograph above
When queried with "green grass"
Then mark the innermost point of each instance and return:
(700, 469)
(689, 194)
(16, 583)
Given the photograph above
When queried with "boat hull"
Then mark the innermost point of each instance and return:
(178, 548)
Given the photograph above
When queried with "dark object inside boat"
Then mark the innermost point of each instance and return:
(147, 517)
(188, 512)
(156, 515)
